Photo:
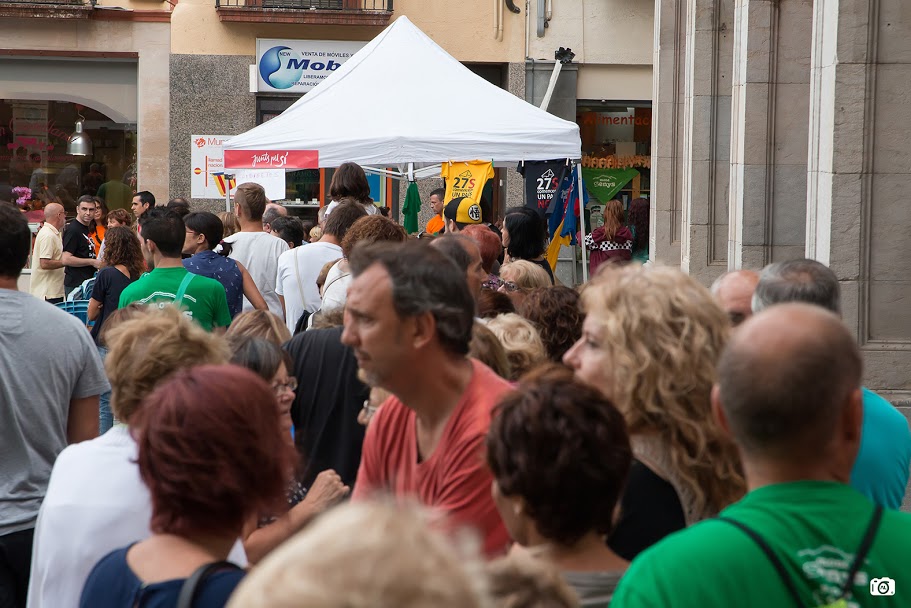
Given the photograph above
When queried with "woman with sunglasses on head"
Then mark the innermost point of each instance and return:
(265, 533)
(518, 278)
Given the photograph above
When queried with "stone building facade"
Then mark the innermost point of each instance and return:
(778, 133)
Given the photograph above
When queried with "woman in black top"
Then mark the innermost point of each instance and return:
(524, 237)
(122, 264)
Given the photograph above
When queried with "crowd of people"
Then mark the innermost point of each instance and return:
(369, 419)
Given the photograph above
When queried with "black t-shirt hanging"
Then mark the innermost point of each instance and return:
(542, 180)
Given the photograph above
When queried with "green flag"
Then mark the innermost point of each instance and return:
(411, 208)
(606, 183)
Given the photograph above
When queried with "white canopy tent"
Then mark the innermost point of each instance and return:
(402, 101)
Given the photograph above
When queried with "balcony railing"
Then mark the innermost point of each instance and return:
(327, 12)
(48, 2)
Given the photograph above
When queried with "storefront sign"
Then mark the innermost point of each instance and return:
(606, 183)
(296, 66)
(206, 159)
(271, 159)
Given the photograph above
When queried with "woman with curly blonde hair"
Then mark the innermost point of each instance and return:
(521, 342)
(650, 343)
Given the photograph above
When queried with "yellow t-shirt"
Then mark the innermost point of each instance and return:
(435, 225)
(48, 245)
(466, 179)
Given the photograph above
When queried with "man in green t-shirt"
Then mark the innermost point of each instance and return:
(162, 235)
(789, 393)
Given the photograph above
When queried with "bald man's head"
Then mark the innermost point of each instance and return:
(734, 293)
(55, 215)
(785, 379)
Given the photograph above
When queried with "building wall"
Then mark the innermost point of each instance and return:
(464, 29)
(860, 173)
(150, 40)
(209, 95)
(598, 31)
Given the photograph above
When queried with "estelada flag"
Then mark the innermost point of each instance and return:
(565, 207)
(220, 182)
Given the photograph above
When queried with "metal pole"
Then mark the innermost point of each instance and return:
(561, 56)
(558, 66)
(582, 223)
(228, 192)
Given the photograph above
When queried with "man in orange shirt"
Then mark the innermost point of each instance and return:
(436, 223)
(409, 317)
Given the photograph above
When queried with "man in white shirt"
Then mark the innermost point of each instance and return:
(299, 268)
(258, 251)
(47, 257)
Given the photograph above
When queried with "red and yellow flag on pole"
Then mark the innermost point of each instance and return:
(220, 182)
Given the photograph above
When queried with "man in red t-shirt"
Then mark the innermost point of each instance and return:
(408, 317)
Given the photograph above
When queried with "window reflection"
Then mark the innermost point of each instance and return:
(33, 156)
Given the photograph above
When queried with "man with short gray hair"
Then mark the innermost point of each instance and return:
(882, 466)
(789, 394)
(273, 212)
(801, 280)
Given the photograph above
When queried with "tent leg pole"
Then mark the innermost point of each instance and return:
(227, 193)
(582, 223)
(575, 270)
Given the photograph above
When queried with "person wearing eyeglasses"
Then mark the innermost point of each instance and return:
(519, 277)
(265, 533)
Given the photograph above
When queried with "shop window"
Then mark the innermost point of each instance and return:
(618, 135)
(34, 156)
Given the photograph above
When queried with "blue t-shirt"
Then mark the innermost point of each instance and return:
(112, 584)
(225, 271)
(881, 470)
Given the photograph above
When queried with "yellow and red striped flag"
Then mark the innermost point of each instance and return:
(220, 182)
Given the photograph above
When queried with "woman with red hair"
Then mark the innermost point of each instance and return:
(213, 455)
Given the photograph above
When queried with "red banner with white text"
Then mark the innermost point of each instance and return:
(271, 159)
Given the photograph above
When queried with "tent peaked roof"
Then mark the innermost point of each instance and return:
(403, 99)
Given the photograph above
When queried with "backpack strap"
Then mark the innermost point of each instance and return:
(770, 554)
(191, 587)
(862, 550)
(178, 298)
(847, 589)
